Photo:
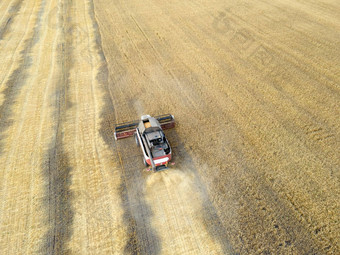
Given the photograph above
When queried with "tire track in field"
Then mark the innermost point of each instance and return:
(141, 237)
(56, 166)
(13, 11)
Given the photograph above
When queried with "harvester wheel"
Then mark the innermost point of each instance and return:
(145, 163)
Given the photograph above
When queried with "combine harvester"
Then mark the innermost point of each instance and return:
(150, 137)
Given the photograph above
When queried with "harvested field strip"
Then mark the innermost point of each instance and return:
(96, 179)
(26, 98)
(56, 165)
(13, 48)
(7, 21)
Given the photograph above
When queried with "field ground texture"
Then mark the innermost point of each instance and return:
(255, 90)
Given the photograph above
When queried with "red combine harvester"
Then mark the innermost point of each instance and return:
(150, 137)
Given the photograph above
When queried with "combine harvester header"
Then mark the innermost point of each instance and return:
(150, 137)
(127, 129)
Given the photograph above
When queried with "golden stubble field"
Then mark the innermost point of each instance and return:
(253, 85)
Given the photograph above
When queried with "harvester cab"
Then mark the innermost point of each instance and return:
(149, 135)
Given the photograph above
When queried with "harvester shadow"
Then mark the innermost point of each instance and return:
(143, 238)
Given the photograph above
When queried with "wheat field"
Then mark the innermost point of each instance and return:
(255, 90)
